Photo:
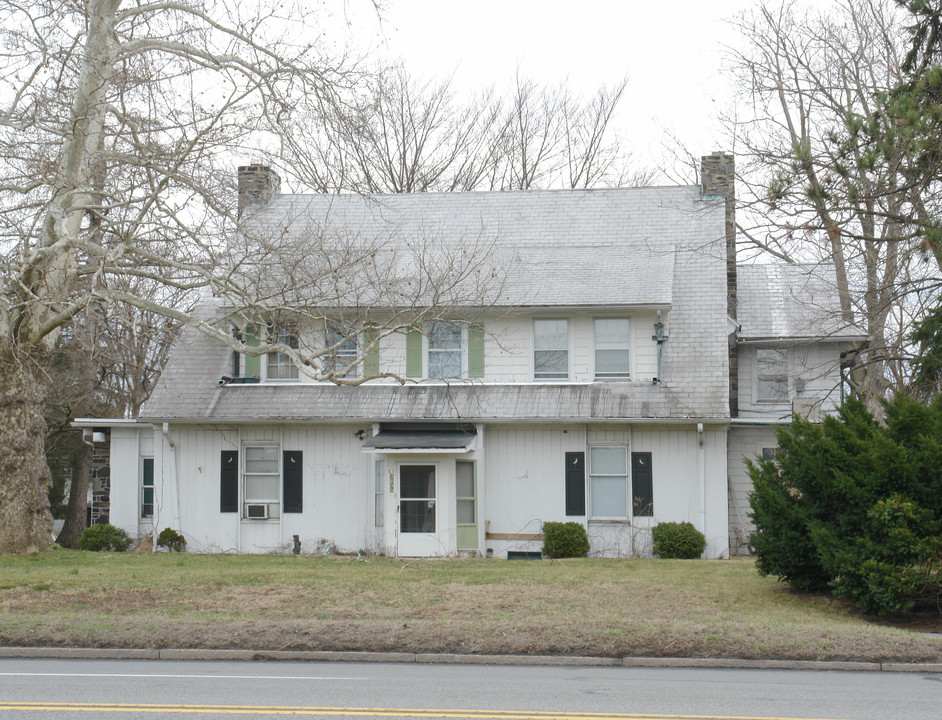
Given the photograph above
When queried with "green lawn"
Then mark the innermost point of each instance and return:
(615, 608)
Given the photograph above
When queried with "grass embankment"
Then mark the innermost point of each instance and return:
(573, 607)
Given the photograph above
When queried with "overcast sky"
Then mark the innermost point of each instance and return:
(671, 52)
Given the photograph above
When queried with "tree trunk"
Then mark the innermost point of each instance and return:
(25, 520)
(78, 498)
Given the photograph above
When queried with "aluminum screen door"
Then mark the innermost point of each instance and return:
(418, 511)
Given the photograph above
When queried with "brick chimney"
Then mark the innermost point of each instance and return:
(258, 184)
(717, 177)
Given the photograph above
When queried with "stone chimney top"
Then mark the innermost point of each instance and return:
(718, 179)
(258, 184)
(717, 175)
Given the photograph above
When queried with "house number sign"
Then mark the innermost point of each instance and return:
(392, 481)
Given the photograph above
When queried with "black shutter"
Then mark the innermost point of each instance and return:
(575, 483)
(642, 485)
(229, 481)
(291, 478)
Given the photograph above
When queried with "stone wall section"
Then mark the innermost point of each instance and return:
(100, 479)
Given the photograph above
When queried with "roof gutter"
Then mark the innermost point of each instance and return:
(759, 422)
(766, 339)
(174, 479)
(350, 420)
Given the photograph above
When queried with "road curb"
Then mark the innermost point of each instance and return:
(459, 659)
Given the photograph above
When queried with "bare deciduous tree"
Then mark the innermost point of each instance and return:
(401, 134)
(119, 128)
(809, 192)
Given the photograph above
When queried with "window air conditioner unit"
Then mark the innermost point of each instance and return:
(256, 512)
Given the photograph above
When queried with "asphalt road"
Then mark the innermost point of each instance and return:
(34, 688)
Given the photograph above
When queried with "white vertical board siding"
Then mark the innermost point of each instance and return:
(337, 488)
(524, 472)
(197, 454)
(744, 443)
(125, 480)
(675, 458)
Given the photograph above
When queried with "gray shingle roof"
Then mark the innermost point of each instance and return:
(791, 301)
(464, 402)
(546, 241)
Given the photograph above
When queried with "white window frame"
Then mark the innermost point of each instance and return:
(274, 503)
(280, 361)
(153, 489)
(592, 475)
(379, 493)
(567, 349)
(626, 375)
(341, 356)
(766, 380)
(462, 349)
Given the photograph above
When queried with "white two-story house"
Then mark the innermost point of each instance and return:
(615, 378)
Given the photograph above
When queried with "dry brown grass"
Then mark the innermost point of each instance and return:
(574, 607)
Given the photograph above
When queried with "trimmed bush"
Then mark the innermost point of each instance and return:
(104, 537)
(564, 540)
(172, 540)
(678, 541)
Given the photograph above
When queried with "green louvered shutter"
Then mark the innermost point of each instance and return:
(253, 365)
(414, 354)
(476, 351)
(370, 352)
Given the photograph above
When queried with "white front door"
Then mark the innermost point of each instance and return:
(418, 511)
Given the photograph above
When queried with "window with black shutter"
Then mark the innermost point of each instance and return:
(642, 485)
(575, 483)
(292, 480)
(229, 481)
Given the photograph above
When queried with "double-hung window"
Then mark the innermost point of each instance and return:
(147, 487)
(608, 479)
(612, 336)
(272, 481)
(444, 350)
(342, 351)
(616, 494)
(262, 480)
(551, 349)
(771, 374)
(280, 366)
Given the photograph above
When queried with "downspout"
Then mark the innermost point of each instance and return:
(174, 490)
(701, 468)
(89, 494)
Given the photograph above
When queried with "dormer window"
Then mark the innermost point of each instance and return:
(342, 351)
(612, 344)
(280, 366)
(551, 349)
(444, 350)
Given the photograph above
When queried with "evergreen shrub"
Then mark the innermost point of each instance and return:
(172, 540)
(855, 507)
(678, 540)
(565, 540)
(104, 537)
